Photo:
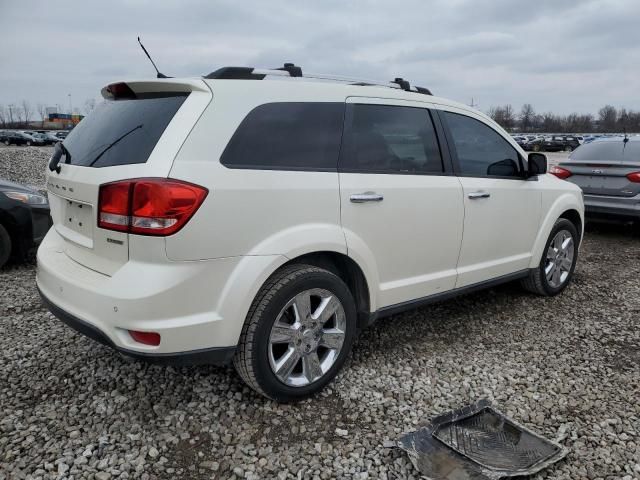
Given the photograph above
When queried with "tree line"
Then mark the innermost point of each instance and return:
(608, 120)
(23, 114)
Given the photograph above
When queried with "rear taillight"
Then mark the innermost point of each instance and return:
(148, 206)
(634, 177)
(560, 172)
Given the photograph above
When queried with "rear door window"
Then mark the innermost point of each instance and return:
(121, 132)
(390, 139)
(288, 136)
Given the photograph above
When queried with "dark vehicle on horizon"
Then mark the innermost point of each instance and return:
(555, 143)
(24, 220)
(608, 172)
(14, 137)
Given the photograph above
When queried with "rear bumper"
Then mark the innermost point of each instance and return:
(198, 307)
(601, 207)
(205, 356)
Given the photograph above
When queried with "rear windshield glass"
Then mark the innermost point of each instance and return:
(121, 132)
(614, 151)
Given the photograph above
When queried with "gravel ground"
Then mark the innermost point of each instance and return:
(567, 367)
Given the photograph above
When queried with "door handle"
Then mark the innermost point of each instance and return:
(477, 195)
(366, 197)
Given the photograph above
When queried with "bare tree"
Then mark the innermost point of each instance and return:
(503, 116)
(26, 111)
(527, 117)
(42, 111)
(89, 105)
(607, 117)
(3, 116)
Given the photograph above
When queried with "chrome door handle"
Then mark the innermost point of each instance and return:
(476, 195)
(366, 197)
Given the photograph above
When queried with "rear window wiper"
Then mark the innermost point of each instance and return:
(58, 151)
(113, 144)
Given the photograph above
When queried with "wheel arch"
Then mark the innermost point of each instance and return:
(566, 206)
(349, 271)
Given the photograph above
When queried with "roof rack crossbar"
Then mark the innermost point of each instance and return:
(292, 70)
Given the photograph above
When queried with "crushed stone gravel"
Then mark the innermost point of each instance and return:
(567, 367)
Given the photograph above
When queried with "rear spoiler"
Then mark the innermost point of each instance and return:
(152, 88)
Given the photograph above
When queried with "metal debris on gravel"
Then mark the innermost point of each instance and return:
(567, 367)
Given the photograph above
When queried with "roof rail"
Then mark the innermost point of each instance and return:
(292, 70)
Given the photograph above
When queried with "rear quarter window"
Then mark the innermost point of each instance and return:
(287, 136)
(608, 151)
(121, 132)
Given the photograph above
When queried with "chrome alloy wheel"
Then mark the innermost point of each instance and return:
(559, 259)
(307, 336)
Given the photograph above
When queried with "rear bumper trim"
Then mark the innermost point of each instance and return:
(205, 356)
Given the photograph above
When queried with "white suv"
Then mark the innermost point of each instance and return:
(263, 217)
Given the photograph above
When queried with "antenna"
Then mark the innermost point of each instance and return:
(159, 75)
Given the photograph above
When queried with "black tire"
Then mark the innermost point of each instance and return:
(252, 356)
(536, 148)
(537, 281)
(28, 143)
(6, 142)
(568, 148)
(5, 246)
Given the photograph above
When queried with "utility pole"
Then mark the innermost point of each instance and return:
(473, 104)
(70, 107)
(11, 106)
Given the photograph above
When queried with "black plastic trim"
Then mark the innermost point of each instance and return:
(234, 73)
(205, 356)
(438, 297)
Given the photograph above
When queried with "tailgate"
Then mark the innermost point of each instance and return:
(137, 136)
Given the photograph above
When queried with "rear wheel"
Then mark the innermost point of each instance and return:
(536, 148)
(558, 262)
(298, 333)
(5, 246)
(28, 143)
(568, 148)
(6, 142)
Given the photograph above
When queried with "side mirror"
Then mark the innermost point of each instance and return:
(537, 163)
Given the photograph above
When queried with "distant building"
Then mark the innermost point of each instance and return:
(63, 120)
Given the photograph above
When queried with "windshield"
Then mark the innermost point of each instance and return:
(121, 132)
(607, 150)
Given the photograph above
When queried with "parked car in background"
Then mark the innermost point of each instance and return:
(62, 135)
(608, 172)
(47, 138)
(15, 137)
(24, 220)
(180, 250)
(555, 143)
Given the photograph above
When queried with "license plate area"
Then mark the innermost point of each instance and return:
(75, 221)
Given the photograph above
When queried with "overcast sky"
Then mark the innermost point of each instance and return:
(559, 55)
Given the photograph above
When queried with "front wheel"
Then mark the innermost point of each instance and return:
(5, 246)
(298, 333)
(558, 262)
(536, 148)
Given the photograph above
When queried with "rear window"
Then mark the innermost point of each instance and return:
(287, 136)
(613, 151)
(121, 132)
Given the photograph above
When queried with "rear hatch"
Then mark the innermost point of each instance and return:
(136, 132)
(603, 168)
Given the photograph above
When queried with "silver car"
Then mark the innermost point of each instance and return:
(608, 172)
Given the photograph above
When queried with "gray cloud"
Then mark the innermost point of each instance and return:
(560, 55)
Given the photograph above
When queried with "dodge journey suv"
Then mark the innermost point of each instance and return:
(263, 217)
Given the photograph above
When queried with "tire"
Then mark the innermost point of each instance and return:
(6, 142)
(568, 148)
(536, 148)
(258, 353)
(538, 281)
(5, 246)
(28, 143)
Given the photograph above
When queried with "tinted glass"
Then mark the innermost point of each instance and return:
(390, 139)
(121, 132)
(615, 151)
(482, 152)
(296, 136)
